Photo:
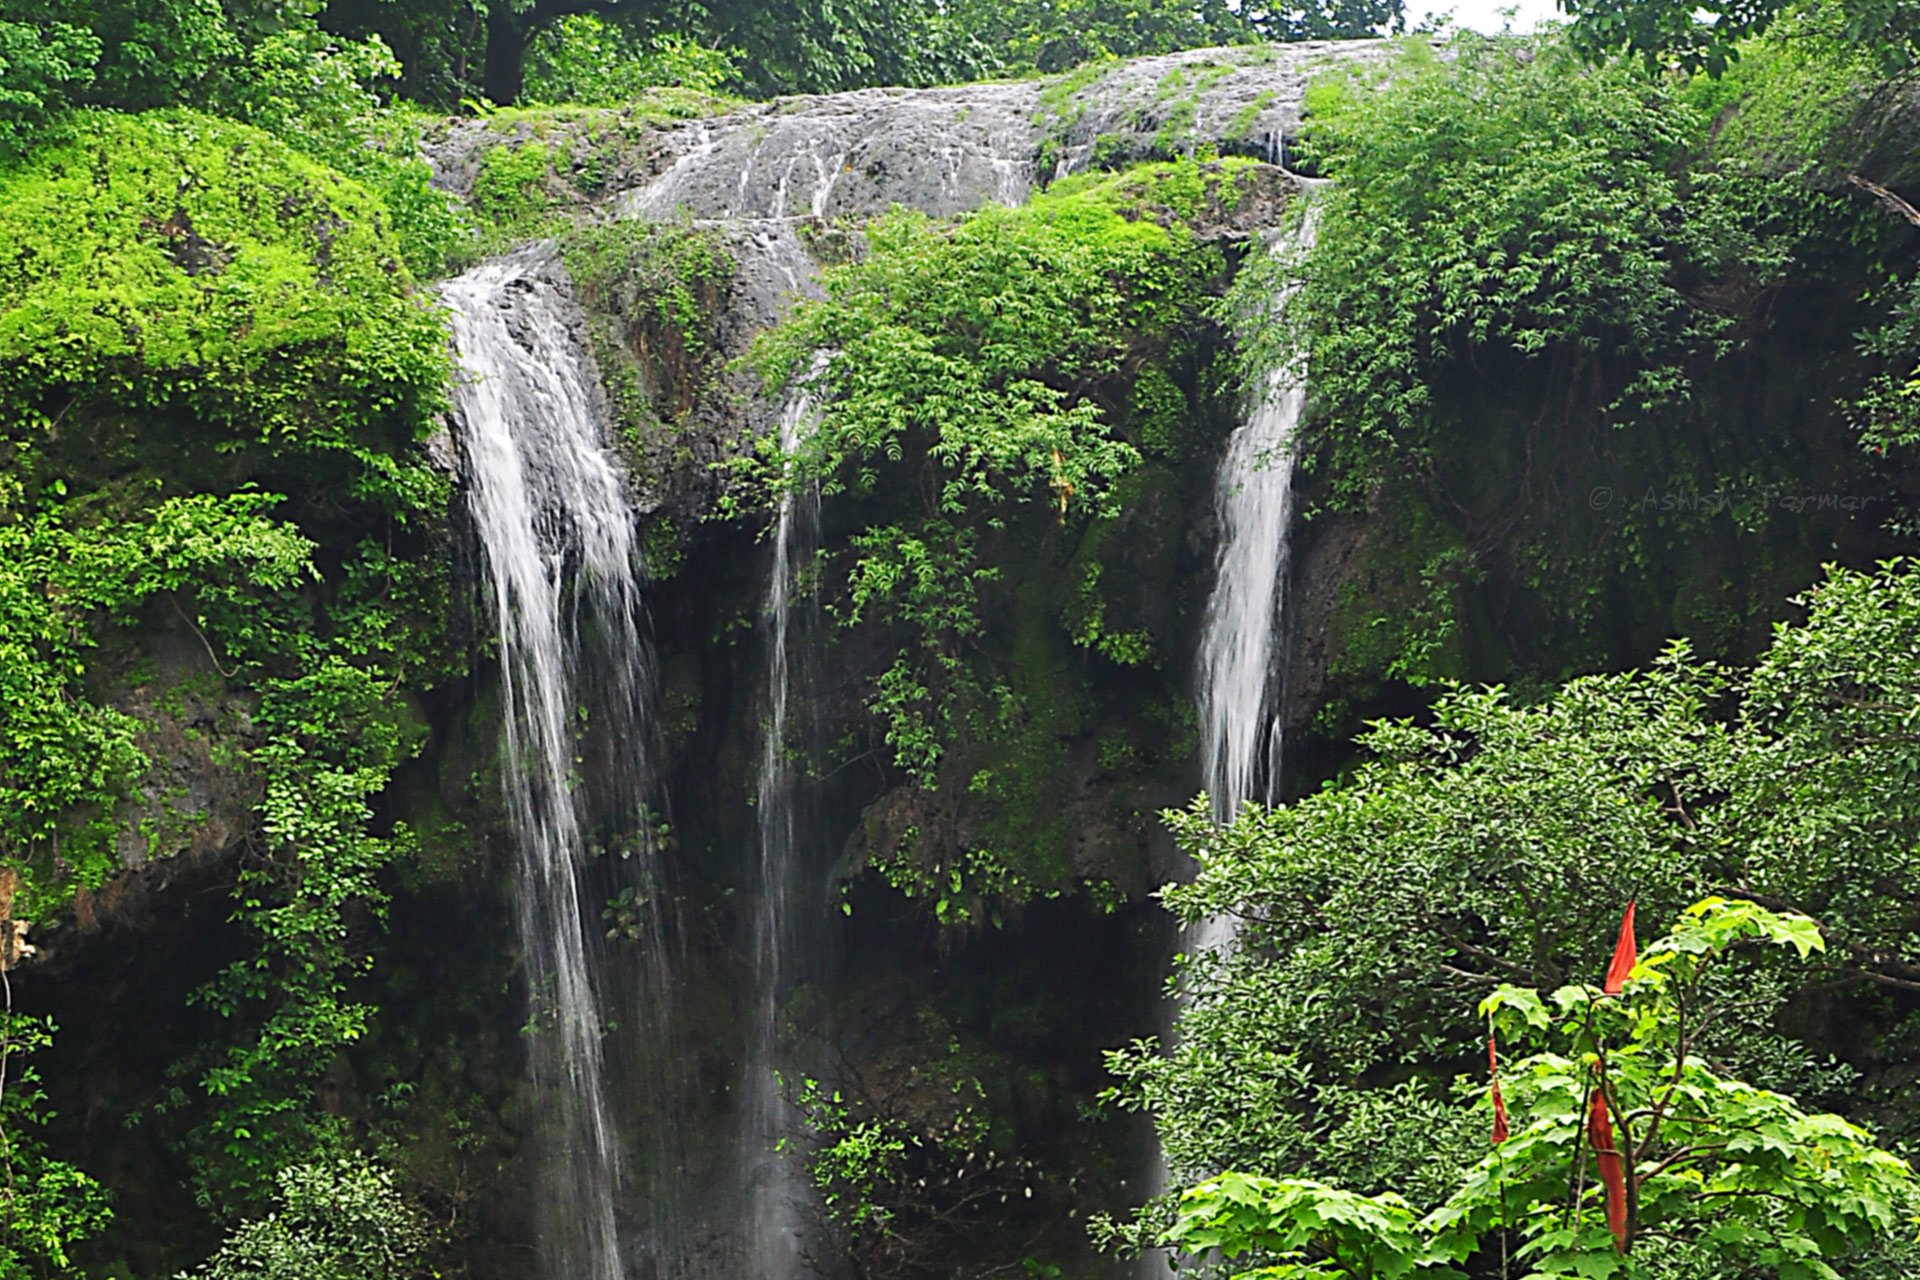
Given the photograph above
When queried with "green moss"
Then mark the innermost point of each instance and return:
(541, 167)
(510, 194)
(657, 293)
(658, 105)
(172, 264)
(1399, 616)
(1244, 118)
(663, 546)
(1163, 193)
(1058, 111)
(1107, 149)
(1177, 134)
(1057, 95)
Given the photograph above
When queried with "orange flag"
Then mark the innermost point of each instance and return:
(1612, 1173)
(1499, 1103)
(1625, 955)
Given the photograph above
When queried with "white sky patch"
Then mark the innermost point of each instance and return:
(1486, 15)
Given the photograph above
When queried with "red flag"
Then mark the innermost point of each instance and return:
(1612, 1176)
(1499, 1103)
(1625, 955)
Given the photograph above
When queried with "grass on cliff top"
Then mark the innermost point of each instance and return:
(664, 105)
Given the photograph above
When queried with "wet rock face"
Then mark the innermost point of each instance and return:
(198, 794)
(948, 151)
(1246, 100)
(941, 151)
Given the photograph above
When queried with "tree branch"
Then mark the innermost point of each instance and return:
(1680, 1157)
(1467, 975)
(1887, 198)
(1886, 980)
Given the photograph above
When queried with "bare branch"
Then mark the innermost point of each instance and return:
(1887, 198)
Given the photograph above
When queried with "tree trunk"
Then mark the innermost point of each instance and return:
(506, 71)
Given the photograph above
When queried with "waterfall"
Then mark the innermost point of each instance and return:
(554, 522)
(778, 1194)
(1240, 645)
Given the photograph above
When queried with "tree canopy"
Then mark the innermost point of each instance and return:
(1707, 36)
(1629, 1154)
(1490, 848)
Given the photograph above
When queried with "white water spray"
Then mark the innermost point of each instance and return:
(551, 511)
(1240, 648)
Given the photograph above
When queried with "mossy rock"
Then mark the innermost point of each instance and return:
(1211, 199)
(525, 171)
(173, 264)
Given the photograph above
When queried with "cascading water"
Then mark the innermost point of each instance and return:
(556, 527)
(1240, 646)
(778, 1195)
(942, 151)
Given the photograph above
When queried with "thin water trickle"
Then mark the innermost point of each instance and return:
(556, 528)
(779, 1194)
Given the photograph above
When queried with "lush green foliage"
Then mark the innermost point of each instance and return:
(597, 51)
(583, 59)
(137, 55)
(190, 306)
(318, 96)
(1493, 845)
(173, 263)
(44, 64)
(269, 65)
(46, 1205)
(455, 52)
(1490, 207)
(1569, 270)
(333, 1221)
(1718, 1174)
(1050, 36)
(1708, 37)
(967, 404)
(187, 307)
(65, 759)
(336, 740)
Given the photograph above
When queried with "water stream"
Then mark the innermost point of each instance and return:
(551, 511)
(784, 911)
(1242, 641)
(554, 519)
(1240, 646)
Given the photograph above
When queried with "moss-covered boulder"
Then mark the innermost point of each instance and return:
(177, 268)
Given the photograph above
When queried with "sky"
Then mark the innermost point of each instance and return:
(1484, 15)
